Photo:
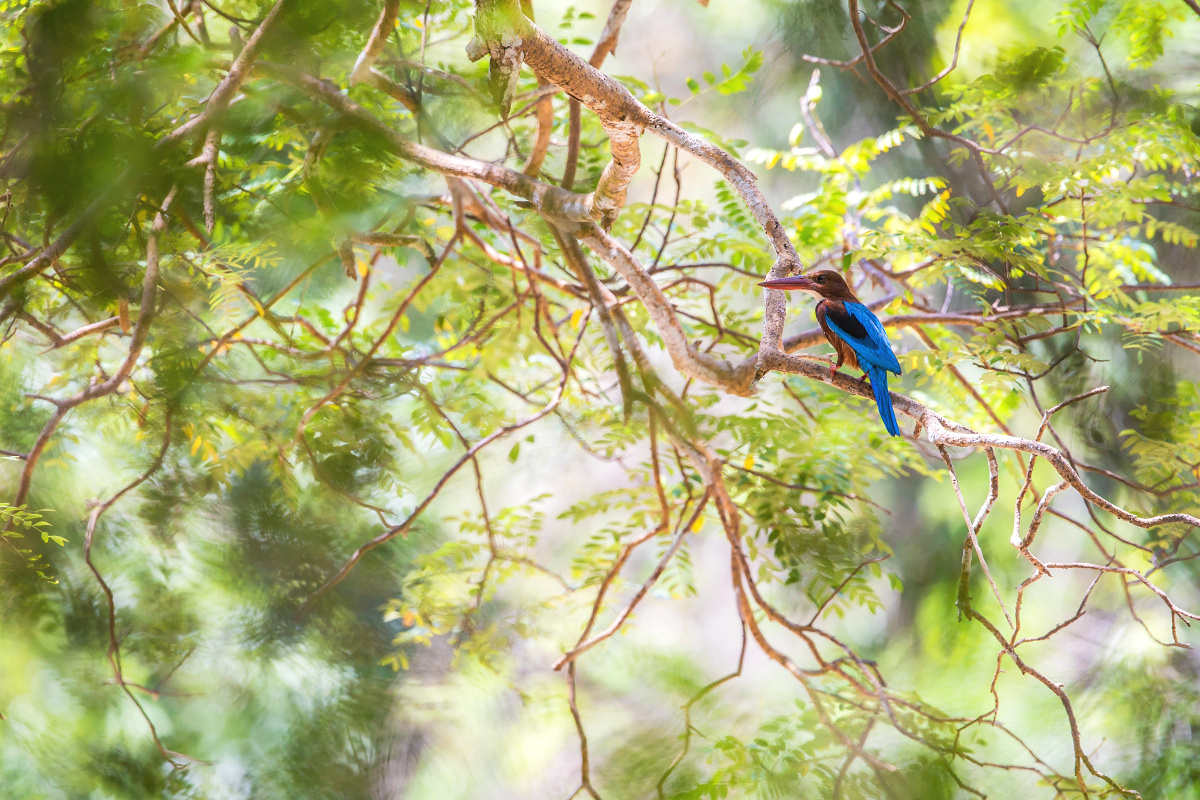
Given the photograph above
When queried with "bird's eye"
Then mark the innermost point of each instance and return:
(820, 279)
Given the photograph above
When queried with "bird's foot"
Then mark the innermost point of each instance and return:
(863, 379)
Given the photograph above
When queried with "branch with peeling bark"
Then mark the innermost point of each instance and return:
(113, 382)
(624, 117)
(614, 104)
(615, 107)
(828, 670)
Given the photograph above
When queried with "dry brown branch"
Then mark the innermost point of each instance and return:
(545, 126)
(1176, 611)
(614, 180)
(902, 100)
(109, 385)
(974, 526)
(574, 130)
(239, 70)
(892, 33)
(615, 106)
(585, 770)
(939, 431)
(392, 89)
(212, 143)
(517, 265)
(1079, 612)
(376, 42)
(554, 63)
(708, 466)
(41, 327)
(953, 61)
(748, 618)
(1016, 539)
(603, 302)
(52, 252)
(686, 357)
(1081, 758)
(544, 116)
(86, 330)
(607, 43)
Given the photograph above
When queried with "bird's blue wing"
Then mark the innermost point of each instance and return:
(861, 329)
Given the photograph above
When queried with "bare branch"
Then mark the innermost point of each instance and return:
(953, 61)
(973, 526)
(376, 42)
(686, 357)
(550, 200)
(101, 388)
(239, 70)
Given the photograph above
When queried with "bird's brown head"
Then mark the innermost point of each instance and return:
(823, 283)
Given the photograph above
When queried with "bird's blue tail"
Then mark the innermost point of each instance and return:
(883, 400)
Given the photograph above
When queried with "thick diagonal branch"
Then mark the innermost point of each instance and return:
(620, 112)
(239, 70)
(549, 200)
(687, 358)
(375, 43)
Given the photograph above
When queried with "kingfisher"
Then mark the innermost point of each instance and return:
(855, 333)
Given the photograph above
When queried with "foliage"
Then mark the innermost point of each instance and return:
(344, 453)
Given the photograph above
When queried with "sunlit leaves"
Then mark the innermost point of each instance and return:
(13, 520)
(1032, 68)
(730, 81)
(1147, 26)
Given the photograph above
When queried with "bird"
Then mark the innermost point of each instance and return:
(855, 333)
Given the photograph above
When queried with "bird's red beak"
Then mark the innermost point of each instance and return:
(790, 284)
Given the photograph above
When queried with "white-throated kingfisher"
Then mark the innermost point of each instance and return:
(855, 333)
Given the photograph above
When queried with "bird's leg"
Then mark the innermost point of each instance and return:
(862, 379)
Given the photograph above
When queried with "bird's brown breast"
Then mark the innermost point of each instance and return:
(846, 355)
